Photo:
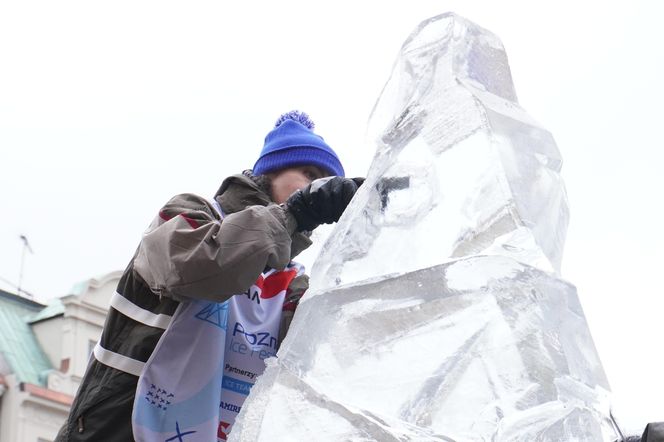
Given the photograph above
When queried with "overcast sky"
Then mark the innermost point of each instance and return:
(109, 108)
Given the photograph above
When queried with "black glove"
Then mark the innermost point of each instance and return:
(323, 201)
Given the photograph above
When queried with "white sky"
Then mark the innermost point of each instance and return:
(109, 108)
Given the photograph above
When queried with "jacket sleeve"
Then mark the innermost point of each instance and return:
(190, 252)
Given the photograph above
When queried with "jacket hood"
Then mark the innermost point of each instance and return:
(238, 192)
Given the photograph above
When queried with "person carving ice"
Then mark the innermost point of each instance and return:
(208, 296)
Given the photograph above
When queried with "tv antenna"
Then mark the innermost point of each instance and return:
(26, 247)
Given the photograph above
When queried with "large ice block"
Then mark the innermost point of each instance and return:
(480, 349)
(435, 310)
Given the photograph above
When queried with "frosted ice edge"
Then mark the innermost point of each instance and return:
(323, 419)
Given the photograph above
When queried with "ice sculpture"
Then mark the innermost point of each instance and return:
(435, 310)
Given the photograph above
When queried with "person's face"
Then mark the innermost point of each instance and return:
(287, 181)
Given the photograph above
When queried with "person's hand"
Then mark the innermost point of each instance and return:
(323, 201)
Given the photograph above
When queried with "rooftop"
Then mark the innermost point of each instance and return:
(18, 344)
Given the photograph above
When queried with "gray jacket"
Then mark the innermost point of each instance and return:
(188, 251)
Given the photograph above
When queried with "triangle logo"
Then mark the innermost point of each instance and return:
(215, 313)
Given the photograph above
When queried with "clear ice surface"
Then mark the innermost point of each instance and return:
(436, 311)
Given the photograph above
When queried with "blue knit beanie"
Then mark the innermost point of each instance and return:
(292, 143)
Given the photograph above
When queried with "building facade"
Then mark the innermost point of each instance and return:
(44, 351)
